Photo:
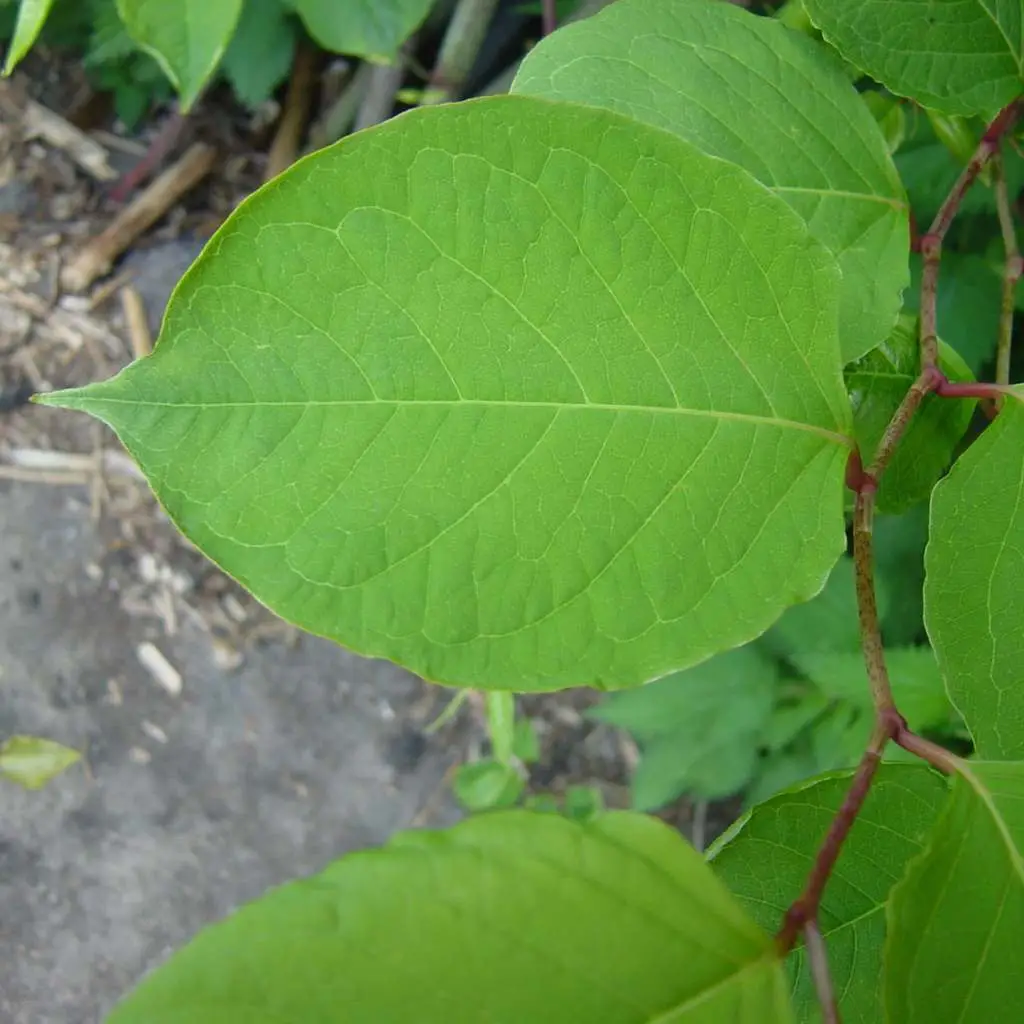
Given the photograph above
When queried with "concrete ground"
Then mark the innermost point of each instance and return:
(187, 806)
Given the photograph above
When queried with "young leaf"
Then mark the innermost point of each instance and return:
(973, 599)
(878, 383)
(583, 803)
(187, 37)
(588, 443)
(765, 859)
(753, 92)
(362, 28)
(32, 16)
(955, 921)
(958, 56)
(487, 784)
(32, 762)
(512, 917)
(260, 53)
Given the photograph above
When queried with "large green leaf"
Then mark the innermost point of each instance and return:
(363, 28)
(517, 394)
(32, 15)
(958, 56)
(766, 857)
(878, 383)
(755, 93)
(509, 917)
(699, 730)
(973, 598)
(899, 543)
(956, 920)
(187, 37)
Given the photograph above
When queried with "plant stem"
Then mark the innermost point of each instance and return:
(805, 908)
(459, 49)
(970, 389)
(817, 958)
(931, 240)
(938, 757)
(1011, 271)
(930, 379)
(549, 16)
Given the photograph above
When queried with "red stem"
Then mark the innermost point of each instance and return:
(817, 958)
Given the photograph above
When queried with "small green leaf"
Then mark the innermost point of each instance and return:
(525, 744)
(956, 134)
(751, 91)
(362, 28)
(501, 723)
(261, 52)
(483, 446)
(583, 803)
(542, 803)
(889, 116)
(878, 383)
(958, 56)
(486, 785)
(973, 598)
(955, 921)
(511, 917)
(187, 37)
(32, 15)
(32, 762)
(765, 859)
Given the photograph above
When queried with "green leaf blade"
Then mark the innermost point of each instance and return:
(476, 445)
(261, 51)
(759, 95)
(974, 604)
(187, 37)
(957, 56)
(32, 15)
(766, 857)
(955, 921)
(362, 28)
(32, 762)
(615, 920)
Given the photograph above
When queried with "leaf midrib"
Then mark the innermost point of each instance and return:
(85, 402)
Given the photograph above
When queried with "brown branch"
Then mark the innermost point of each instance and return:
(805, 908)
(931, 240)
(817, 959)
(549, 15)
(1011, 271)
(938, 757)
(867, 605)
(159, 148)
(295, 113)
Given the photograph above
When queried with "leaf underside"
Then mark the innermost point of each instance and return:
(517, 394)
